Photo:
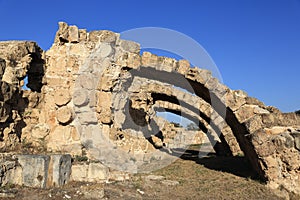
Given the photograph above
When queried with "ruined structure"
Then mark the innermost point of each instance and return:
(93, 95)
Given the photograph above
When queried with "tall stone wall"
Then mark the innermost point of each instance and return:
(93, 94)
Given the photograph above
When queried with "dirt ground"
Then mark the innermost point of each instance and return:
(187, 178)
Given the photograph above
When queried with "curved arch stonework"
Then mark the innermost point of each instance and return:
(98, 91)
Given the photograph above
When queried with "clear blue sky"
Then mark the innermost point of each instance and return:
(254, 43)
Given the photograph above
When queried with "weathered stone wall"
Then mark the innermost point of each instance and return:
(93, 92)
(17, 61)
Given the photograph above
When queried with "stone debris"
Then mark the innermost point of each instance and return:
(140, 191)
(170, 183)
(92, 94)
(154, 178)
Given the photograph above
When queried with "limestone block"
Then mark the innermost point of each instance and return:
(86, 81)
(119, 118)
(149, 60)
(93, 36)
(76, 53)
(254, 101)
(60, 135)
(40, 131)
(183, 66)
(73, 34)
(75, 136)
(204, 76)
(42, 171)
(97, 172)
(62, 33)
(133, 61)
(166, 64)
(235, 99)
(64, 115)
(104, 106)
(212, 84)
(87, 117)
(79, 172)
(35, 170)
(268, 119)
(105, 50)
(245, 112)
(82, 35)
(220, 91)
(259, 110)
(55, 81)
(193, 74)
(254, 124)
(108, 36)
(74, 148)
(266, 149)
(130, 46)
(9, 76)
(105, 116)
(61, 170)
(80, 98)
(62, 97)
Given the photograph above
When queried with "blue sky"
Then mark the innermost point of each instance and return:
(254, 43)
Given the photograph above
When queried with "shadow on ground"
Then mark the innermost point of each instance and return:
(237, 165)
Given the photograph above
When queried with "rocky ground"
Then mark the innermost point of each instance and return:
(187, 178)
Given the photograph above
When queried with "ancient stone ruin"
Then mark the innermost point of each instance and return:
(93, 96)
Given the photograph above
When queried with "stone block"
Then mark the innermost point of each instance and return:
(130, 46)
(105, 50)
(167, 64)
(35, 170)
(73, 34)
(87, 117)
(254, 124)
(80, 98)
(60, 135)
(133, 61)
(41, 171)
(234, 100)
(40, 131)
(149, 60)
(245, 113)
(79, 172)
(108, 36)
(61, 170)
(183, 66)
(64, 115)
(93, 36)
(97, 172)
(62, 33)
(82, 35)
(62, 97)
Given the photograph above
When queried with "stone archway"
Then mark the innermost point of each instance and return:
(89, 83)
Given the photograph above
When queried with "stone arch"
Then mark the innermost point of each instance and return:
(266, 136)
(182, 103)
(206, 87)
